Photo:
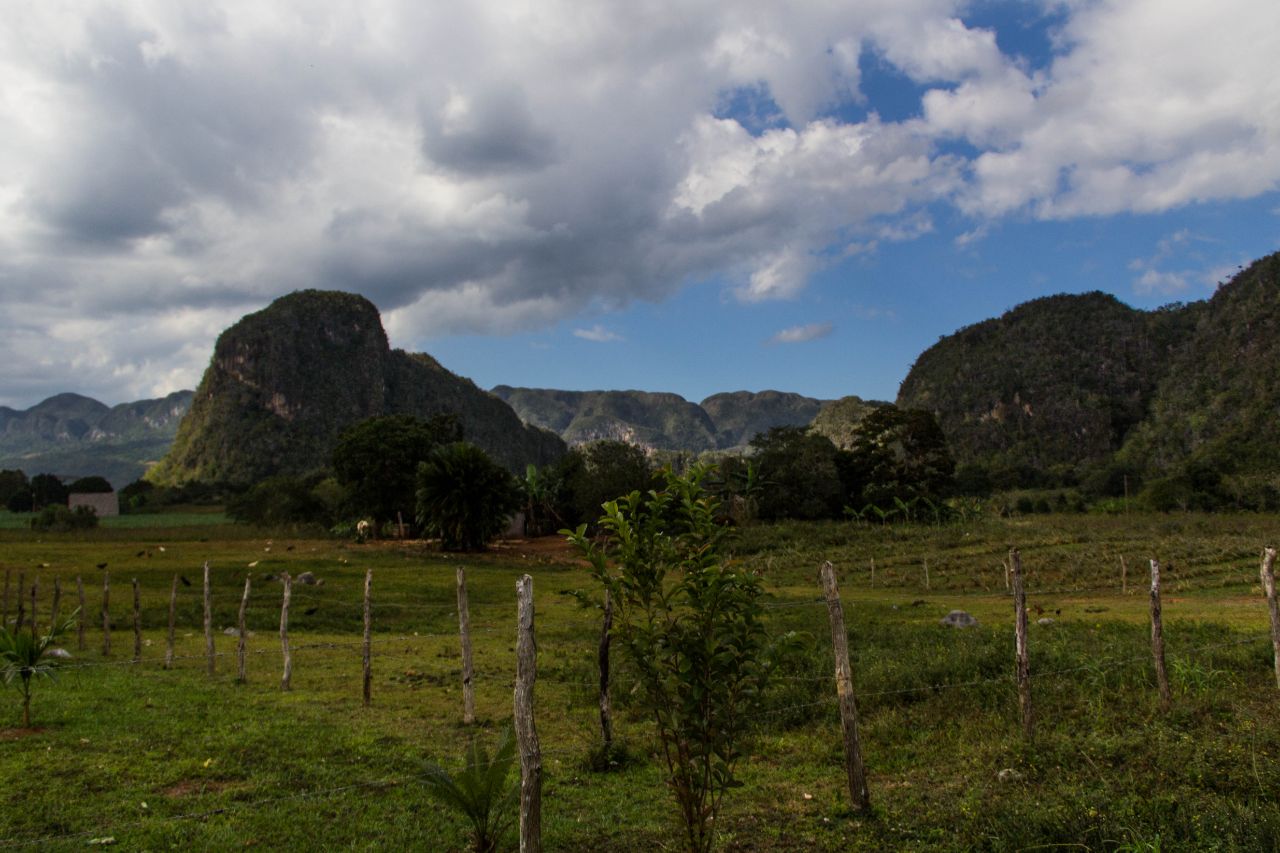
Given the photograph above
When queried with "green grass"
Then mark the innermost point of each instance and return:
(201, 517)
(222, 765)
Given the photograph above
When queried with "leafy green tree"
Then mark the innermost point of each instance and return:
(898, 456)
(26, 657)
(282, 500)
(47, 489)
(11, 483)
(602, 471)
(798, 469)
(21, 501)
(691, 625)
(464, 497)
(90, 485)
(481, 790)
(376, 461)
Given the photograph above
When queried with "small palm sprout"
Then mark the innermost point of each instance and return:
(24, 656)
(480, 790)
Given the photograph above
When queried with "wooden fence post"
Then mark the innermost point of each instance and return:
(1157, 637)
(208, 622)
(284, 631)
(857, 775)
(173, 614)
(57, 603)
(106, 613)
(1124, 576)
(464, 630)
(873, 571)
(926, 574)
(80, 614)
(368, 624)
(1020, 644)
(526, 731)
(1005, 565)
(602, 657)
(240, 642)
(137, 623)
(1269, 586)
(22, 607)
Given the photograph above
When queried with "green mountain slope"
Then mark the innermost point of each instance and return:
(1055, 384)
(838, 419)
(285, 381)
(1219, 402)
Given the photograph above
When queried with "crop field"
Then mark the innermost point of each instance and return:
(131, 754)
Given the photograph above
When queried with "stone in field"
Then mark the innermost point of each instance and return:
(959, 619)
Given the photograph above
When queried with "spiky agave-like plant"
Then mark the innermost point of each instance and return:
(26, 656)
(480, 790)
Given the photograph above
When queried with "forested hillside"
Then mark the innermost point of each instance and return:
(285, 381)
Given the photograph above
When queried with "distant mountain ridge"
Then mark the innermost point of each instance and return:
(1059, 387)
(73, 435)
(659, 420)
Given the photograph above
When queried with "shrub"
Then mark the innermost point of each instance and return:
(598, 472)
(47, 489)
(464, 497)
(690, 624)
(281, 500)
(58, 519)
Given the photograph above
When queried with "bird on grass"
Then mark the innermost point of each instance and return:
(102, 565)
(311, 611)
(184, 580)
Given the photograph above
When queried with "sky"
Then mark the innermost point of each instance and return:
(666, 195)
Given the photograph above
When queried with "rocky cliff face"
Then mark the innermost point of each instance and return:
(285, 381)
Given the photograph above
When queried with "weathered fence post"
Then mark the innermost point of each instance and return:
(464, 630)
(22, 607)
(873, 571)
(1020, 644)
(526, 731)
(1005, 565)
(57, 603)
(80, 614)
(606, 711)
(208, 622)
(173, 612)
(926, 574)
(368, 625)
(1269, 586)
(854, 769)
(1124, 576)
(284, 631)
(1157, 637)
(240, 642)
(106, 613)
(137, 623)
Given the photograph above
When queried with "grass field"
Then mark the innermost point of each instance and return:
(158, 759)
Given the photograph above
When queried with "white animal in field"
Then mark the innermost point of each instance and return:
(363, 528)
